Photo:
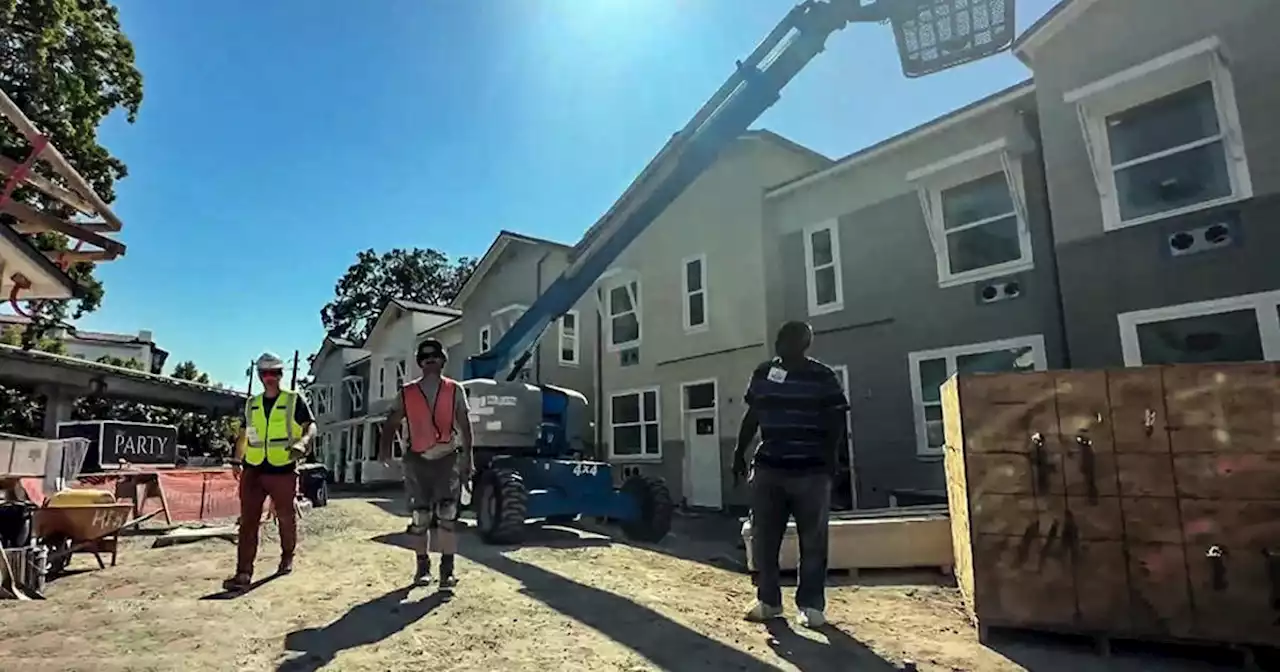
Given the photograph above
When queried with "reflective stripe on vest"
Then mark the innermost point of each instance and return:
(269, 438)
(429, 427)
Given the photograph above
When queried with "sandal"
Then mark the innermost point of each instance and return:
(238, 583)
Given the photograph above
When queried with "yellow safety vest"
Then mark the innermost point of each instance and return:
(269, 438)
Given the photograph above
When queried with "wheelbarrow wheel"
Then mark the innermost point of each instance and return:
(59, 555)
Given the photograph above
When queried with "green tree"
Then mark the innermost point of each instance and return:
(418, 275)
(187, 371)
(67, 65)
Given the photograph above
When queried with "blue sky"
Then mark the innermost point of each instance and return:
(279, 138)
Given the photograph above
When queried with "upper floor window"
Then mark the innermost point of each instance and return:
(1164, 137)
(568, 346)
(823, 278)
(974, 208)
(355, 390)
(323, 398)
(694, 288)
(402, 373)
(382, 382)
(929, 370)
(623, 302)
(485, 336)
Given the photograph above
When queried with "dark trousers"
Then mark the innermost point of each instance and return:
(255, 487)
(776, 496)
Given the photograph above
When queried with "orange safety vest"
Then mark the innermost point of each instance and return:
(429, 427)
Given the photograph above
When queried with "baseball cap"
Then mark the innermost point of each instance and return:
(431, 348)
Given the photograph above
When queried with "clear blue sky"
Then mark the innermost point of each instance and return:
(279, 138)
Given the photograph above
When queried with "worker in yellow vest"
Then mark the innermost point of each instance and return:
(437, 459)
(278, 427)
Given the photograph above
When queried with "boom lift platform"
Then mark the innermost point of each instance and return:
(539, 473)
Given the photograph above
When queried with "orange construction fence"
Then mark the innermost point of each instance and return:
(189, 495)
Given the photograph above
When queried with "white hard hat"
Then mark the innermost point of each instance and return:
(269, 362)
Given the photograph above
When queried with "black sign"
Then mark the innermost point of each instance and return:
(115, 442)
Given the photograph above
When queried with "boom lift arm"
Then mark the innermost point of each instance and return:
(752, 89)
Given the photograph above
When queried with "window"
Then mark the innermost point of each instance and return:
(1236, 329)
(1164, 137)
(699, 396)
(323, 399)
(398, 443)
(633, 425)
(485, 333)
(929, 370)
(382, 381)
(569, 338)
(623, 302)
(975, 213)
(694, 284)
(355, 390)
(822, 268)
(402, 373)
(357, 443)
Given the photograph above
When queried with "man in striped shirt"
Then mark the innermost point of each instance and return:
(798, 406)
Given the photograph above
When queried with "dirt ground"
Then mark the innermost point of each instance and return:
(567, 599)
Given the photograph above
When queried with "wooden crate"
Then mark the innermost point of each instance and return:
(900, 538)
(1141, 502)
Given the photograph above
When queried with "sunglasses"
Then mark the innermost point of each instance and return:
(271, 373)
(431, 358)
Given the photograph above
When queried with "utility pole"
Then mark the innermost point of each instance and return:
(249, 372)
(293, 379)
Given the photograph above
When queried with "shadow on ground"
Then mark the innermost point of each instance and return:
(1042, 652)
(840, 652)
(664, 642)
(540, 536)
(367, 623)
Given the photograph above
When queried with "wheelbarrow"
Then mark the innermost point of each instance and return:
(82, 522)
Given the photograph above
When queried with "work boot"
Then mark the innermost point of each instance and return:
(761, 612)
(422, 575)
(811, 618)
(447, 579)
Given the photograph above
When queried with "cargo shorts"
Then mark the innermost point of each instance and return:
(432, 488)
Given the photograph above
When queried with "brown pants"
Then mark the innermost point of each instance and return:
(255, 487)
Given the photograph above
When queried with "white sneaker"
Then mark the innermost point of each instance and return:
(761, 612)
(811, 618)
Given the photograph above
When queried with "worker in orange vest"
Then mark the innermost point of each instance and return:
(438, 460)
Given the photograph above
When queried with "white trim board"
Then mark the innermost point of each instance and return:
(1266, 307)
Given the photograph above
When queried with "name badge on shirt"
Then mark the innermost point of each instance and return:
(251, 434)
(777, 375)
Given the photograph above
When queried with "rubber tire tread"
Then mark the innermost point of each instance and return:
(513, 506)
(656, 508)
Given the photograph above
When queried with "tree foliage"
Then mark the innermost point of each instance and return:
(67, 65)
(418, 275)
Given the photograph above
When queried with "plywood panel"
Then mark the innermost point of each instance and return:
(1083, 409)
(1218, 408)
(1145, 474)
(1010, 428)
(1103, 587)
(1208, 522)
(1089, 471)
(1160, 593)
(1021, 583)
(1096, 520)
(1001, 474)
(1228, 475)
(1138, 418)
(1232, 589)
(1152, 519)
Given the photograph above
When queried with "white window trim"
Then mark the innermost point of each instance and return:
(994, 157)
(1035, 342)
(401, 372)
(486, 338)
(657, 406)
(685, 411)
(1194, 64)
(810, 272)
(623, 280)
(563, 337)
(842, 371)
(381, 387)
(355, 390)
(686, 296)
(1264, 304)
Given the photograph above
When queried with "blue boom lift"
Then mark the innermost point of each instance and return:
(544, 477)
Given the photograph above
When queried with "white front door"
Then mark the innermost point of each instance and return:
(702, 457)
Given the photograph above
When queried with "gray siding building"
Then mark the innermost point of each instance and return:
(1163, 164)
(927, 253)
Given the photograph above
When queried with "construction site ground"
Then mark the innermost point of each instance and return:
(566, 599)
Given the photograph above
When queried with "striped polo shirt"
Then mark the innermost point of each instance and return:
(795, 409)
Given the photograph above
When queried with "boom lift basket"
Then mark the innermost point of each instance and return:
(935, 35)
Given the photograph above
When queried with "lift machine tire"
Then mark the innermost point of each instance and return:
(502, 506)
(653, 500)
